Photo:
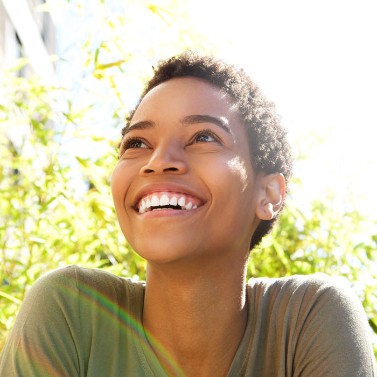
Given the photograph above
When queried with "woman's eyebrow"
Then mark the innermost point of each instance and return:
(221, 122)
(142, 125)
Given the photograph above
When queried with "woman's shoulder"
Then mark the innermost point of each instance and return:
(319, 317)
(75, 290)
(299, 294)
(89, 275)
(68, 314)
(70, 280)
(317, 284)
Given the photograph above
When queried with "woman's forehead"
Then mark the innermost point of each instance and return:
(186, 95)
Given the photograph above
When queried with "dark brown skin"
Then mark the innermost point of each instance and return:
(195, 301)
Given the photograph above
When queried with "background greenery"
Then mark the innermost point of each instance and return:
(56, 158)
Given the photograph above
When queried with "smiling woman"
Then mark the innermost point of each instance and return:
(201, 178)
(182, 144)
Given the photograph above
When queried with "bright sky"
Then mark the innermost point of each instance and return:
(317, 61)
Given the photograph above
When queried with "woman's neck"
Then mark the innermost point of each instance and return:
(197, 313)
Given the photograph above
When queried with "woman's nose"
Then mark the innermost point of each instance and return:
(165, 159)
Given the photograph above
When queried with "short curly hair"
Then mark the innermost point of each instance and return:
(270, 150)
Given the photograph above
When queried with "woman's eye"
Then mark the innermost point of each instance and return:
(205, 137)
(133, 143)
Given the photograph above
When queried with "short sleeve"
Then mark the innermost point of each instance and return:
(43, 341)
(333, 339)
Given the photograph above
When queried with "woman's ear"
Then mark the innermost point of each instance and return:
(270, 196)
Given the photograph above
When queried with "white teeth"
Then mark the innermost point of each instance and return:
(147, 203)
(155, 201)
(181, 201)
(164, 200)
(142, 207)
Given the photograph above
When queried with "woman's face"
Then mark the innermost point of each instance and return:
(184, 187)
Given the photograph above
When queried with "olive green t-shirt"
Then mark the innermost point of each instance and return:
(81, 322)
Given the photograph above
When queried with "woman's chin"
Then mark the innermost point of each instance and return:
(163, 254)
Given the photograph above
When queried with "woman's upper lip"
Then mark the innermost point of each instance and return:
(152, 188)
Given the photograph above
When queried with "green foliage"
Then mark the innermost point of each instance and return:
(52, 140)
(44, 221)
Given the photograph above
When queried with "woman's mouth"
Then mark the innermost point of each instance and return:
(168, 201)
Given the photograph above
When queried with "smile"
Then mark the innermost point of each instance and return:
(168, 201)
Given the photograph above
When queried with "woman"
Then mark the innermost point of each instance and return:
(201, 178)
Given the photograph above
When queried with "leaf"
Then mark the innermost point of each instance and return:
(373, 325)
(37, 240)
(20, 63)
(96, 57)
(281, 254)
(10, 298)
(83, 162)
(117, 63)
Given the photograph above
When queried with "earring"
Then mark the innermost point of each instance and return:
(269, 210)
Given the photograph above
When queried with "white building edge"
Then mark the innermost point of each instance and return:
(26, 32)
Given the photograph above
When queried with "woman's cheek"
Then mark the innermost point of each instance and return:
(238, 168)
